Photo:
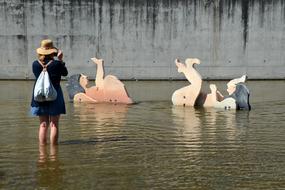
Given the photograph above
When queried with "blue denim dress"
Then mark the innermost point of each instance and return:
(52, 108)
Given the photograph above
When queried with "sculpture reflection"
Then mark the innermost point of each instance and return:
(101, 113)
(106, 89)
(192, 95)
(188, 120)
(100, 123)
(209, 125)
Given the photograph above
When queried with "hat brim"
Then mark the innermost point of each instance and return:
(43, 51)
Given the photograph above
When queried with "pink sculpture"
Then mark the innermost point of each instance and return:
(107, 89)
(192, 95)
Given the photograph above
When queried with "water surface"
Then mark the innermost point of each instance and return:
(149, 145)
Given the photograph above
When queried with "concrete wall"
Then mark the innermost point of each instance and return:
(139, 39)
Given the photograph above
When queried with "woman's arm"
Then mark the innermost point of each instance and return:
(64, 71)
(37, 69)
(220, 96)
(189, 71)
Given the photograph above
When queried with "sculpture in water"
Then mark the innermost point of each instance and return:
(192, 95)
(107, 89)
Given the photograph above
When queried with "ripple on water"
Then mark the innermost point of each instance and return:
(150, 145)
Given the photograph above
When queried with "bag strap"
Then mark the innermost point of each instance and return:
(46, 65)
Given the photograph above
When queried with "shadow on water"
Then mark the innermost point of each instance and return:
(93, 141)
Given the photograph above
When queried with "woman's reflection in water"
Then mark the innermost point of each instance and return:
(44, 156)
(49, 173)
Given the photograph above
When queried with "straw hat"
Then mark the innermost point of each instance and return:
(46, 48)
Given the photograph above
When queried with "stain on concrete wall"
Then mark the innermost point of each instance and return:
(139, 39)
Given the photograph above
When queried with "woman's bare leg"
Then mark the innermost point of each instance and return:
(44, 121)
(99, 81)
(54, 120)
(189, 71)
(188, 95)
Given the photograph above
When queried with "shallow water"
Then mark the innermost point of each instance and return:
(149, 145)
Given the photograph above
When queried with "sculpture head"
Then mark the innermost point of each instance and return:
(83, 80)
(73, 85)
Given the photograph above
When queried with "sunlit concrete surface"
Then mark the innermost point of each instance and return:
(140, 39)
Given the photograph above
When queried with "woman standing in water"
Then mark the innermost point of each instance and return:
(49, 111)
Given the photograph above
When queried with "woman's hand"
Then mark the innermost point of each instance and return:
(60, 55)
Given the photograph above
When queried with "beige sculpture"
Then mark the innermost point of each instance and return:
(192, 95)
(106, 89)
